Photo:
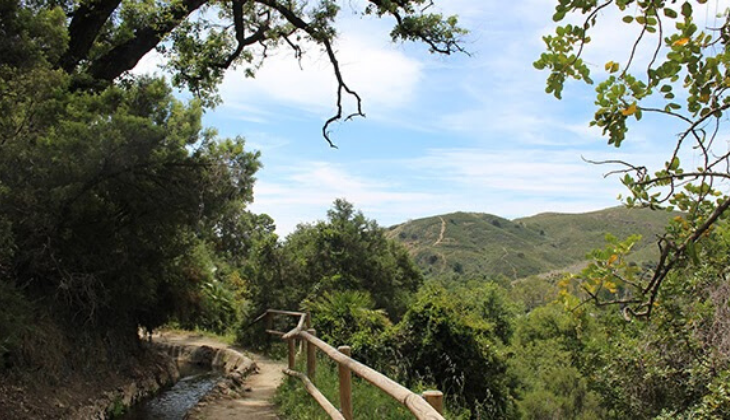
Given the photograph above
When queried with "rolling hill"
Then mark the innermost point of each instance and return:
(478, 245)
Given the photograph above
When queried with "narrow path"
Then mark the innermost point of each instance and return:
(256, 403)
(443, 230)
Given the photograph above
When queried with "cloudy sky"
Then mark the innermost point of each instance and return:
(460, 133)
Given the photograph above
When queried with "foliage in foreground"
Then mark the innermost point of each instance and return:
(684, 85)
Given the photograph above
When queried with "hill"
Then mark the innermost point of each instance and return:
(478, 245)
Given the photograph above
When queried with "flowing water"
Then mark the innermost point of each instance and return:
(172, 403)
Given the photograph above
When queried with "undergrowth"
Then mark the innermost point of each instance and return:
(369, 402)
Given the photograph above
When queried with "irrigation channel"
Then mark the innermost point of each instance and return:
(174, 402)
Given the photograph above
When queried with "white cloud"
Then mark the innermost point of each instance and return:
(306, 191)
(509, 183)
(514, 151)
(150, 64)
(383, 76)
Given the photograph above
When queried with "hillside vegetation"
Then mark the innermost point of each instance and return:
(478, 245)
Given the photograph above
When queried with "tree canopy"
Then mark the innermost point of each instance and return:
(99, 41)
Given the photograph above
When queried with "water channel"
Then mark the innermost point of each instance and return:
(172, 403)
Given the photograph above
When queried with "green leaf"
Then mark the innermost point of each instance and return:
(628, 19)
(687, 9)
(670, 13)
(674, 164)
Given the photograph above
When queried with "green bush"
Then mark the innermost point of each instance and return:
(441, 340)
(349, 318)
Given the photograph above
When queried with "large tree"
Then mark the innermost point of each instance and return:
(678, 68)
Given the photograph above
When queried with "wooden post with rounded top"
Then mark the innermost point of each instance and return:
(435, 399)
(345, 385)
(311, 356)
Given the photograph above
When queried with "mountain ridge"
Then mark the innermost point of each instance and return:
(482, 245)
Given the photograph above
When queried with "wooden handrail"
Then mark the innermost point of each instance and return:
(280, 312)
(420, 407)
(316, 394)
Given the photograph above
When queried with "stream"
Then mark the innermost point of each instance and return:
(172, 403)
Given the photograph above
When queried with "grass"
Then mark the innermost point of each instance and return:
(369, 402)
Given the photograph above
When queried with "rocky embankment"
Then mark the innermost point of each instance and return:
(155, 376)
(202, 351)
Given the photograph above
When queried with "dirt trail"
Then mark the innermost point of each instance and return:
(256, 403)
(443, 230)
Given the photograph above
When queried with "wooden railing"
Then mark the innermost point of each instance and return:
(429, 406)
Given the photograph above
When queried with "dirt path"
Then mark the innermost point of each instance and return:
(256, 402)
(443, 230)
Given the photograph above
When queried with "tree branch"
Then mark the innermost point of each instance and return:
(87, 22)
(323, 39)
(125, 56)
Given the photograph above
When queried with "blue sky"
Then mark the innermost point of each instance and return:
(460, 133)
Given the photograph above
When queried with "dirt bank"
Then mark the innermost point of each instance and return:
(84, 394)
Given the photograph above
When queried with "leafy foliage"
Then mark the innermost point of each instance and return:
(349, 318)
(103, 210)
(684, 82)
(97, 43)
(548, 347)
(444, 342)
(350, 252)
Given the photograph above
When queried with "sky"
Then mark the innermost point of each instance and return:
(473, 133)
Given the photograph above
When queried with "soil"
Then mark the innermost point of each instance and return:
(254, 403)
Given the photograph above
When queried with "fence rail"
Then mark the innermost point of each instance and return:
(429, 406)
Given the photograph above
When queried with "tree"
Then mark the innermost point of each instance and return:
(348, 318)
(547, 352)
(110, 236)
(351, 252)
(202, 39)
(684, 81)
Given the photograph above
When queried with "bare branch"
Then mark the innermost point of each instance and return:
(323, 39)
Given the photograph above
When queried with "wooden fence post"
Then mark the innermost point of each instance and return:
(311, 356)
(345, 385)
(292, 353)
(435, 399)
(308, 324)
